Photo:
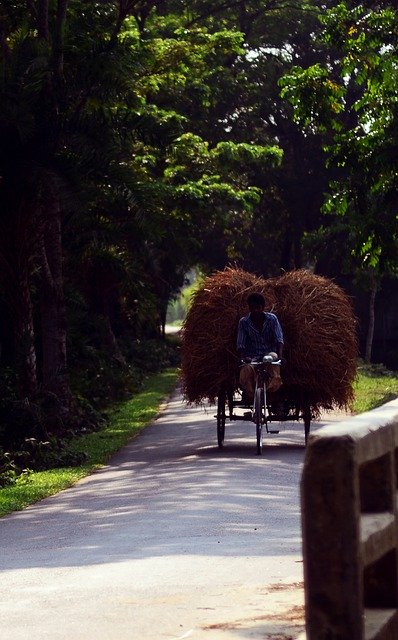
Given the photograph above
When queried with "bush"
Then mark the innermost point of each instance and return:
(35, 432)
(103, 379)
(37, 455)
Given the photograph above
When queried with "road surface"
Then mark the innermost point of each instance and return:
(174, 539)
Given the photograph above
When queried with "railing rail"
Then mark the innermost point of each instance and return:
(349, 494)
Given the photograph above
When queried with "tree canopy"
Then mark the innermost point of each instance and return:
(140, 139)
(352, 101)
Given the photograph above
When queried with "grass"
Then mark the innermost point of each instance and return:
(124, 422)
(374, 386)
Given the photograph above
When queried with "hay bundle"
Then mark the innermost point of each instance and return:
(209, 359)
(318, 325)
(321, 347)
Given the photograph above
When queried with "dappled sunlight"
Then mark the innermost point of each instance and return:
(174, 524)
(171, 491)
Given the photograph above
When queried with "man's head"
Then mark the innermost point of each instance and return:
(256, 301)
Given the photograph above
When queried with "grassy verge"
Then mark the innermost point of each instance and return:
(373, 387)
(125, 421)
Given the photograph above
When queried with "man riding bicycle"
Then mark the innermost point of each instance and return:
(259, 333)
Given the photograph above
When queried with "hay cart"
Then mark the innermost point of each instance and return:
(320, 348)
(266, 408)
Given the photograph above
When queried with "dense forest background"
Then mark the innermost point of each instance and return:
(141, 139)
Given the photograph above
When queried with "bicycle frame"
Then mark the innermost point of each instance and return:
(260, 398)
(260, 412)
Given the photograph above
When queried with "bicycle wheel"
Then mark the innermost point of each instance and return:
(258, 417)
(307, 420)
(221, 417)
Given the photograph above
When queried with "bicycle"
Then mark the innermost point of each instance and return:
(258, 413)
(262, 410)
(263, 377)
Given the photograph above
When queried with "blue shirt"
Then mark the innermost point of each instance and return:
(255, 344)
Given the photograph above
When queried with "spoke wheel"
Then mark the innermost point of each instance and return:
(221, 418)
(307, 420)
(258, 417)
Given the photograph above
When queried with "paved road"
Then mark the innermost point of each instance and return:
(174, 539)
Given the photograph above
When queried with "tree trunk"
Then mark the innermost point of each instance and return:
(58, 38)
(24, 337)
(52, 309)
(110, 340)
(371, 325)
(42, 20)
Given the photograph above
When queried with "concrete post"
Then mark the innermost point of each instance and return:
(350, 528)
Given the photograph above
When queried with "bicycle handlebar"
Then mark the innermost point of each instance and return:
(267, 359)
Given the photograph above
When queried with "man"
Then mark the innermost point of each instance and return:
(259, 333)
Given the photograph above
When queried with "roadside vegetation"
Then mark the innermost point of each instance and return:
(374, 386)
(91, 451)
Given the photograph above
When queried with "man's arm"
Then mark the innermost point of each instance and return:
(241, 339)
(278, 337)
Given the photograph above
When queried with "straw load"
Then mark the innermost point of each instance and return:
(319, 330)
(209, 358)
(321, 347)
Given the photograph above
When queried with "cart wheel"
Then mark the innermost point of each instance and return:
(307, 420)
(230, 399)
(221, 417)
(258, 420)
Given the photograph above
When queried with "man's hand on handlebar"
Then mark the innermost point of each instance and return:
(271, 358)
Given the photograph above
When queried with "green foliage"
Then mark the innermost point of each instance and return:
(178, 308)
(99, 379)
(102, 379)
(236, 155)
(95, 113)
(186, 60)
(374, 386)
(93, 449)
(160, 128)
(9, 472)
(317, 100)
(353, 102)
(203, 177)
(38, 455)
(27, 427)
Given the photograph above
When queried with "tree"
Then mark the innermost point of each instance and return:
(52, 95)
(92, 116)
(244, 105)
(353, 99)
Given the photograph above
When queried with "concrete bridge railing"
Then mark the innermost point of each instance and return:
(349, 493)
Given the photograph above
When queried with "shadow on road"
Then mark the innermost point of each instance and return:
(171, 491)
